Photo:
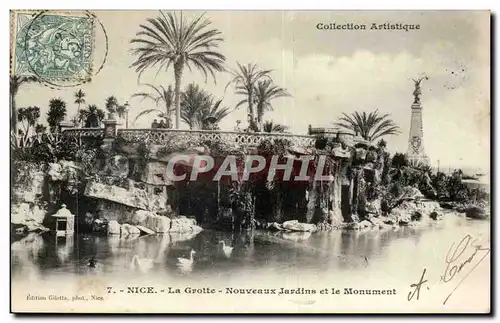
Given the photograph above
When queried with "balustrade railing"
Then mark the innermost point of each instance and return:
(84, 132)
(238, 138)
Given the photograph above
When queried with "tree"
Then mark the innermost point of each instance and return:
(79, 99)
(56, 114)
(399, 160)
(15, 83)
(370, 126)
(111, 104)
(91, 117)
(198, 106)
(265, 91)
(28, 118)
(245, 79)
(269, 126)
(382, 143)
(163, 98)
(40, 128)
(171, 41)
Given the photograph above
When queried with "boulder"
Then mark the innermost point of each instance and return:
(20, 213)
(133, 197)
(416, 216)
(295, 225)
(183, 224)
(434, 215)
(64, 170)
(380, 223)
(144, 229)
(140, 217)
(400, 216)
(365, 224)
(30, 180)
(475, 212)
(26, 212)
(124, 229)
(275, 227)
(163, 224)
(127, 229)
(157, 223)
(336, 218)
(373, 207)
(114, 227)
(360, 225)
(117, 165)
(411, 193)
(99, 226)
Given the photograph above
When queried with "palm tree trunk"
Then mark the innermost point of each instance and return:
(260, 113)
(178, 67)
(250, 107)
(13, 112)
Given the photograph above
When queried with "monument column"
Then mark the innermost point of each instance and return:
(416, 152)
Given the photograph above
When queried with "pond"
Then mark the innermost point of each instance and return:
(388, 259)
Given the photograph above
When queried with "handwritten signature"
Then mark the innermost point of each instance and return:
(416, 287)
(454, 263)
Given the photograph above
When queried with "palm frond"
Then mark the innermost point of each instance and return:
(370, 126)
(148, 111)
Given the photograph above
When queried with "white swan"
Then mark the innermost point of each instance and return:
(227, 250)
(186, 265)
(142, 264)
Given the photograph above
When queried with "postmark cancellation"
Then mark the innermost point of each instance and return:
(52, 46)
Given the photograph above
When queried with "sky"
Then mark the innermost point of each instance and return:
(327, 72)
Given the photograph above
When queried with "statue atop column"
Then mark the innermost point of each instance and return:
(417, 92)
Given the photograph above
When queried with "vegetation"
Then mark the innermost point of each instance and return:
(111, 104)
(15, 83)
(198, 106)
(271, 127)
(56, 114)
(28, 118)
(91, 117)
(163, 99)
(265, 92)
(246, 79)
(370, 126)
(171, 41)
(79, 100)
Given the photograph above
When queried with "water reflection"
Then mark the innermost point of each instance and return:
(35, 256)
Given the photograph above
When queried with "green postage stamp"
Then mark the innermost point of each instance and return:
(53, 46)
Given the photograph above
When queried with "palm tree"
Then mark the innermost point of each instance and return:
(15, 83)
(111, 104)
(28, 118)
(79, 99)
(246, 79)
(271, 127)
(40, 128)
(56, 114)
(163, 98)
(382, 143)
(168, 40)
(370, 126)
(198, 106)
(91, 117)
(265, 91)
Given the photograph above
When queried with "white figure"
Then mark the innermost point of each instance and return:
(227, 250)
(186, 264)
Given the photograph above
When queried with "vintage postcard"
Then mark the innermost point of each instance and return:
(250, 161)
